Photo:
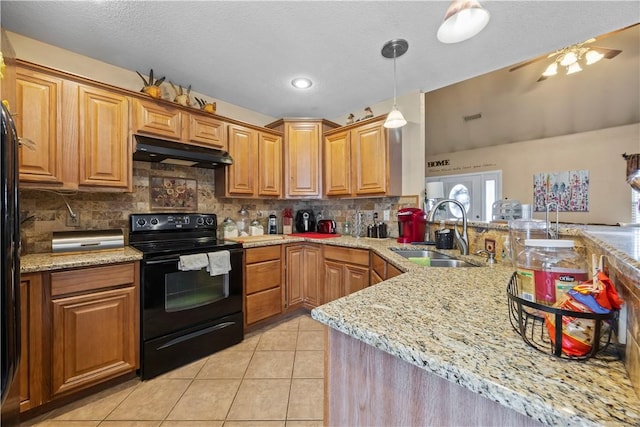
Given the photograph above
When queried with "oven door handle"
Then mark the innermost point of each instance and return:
(162, 261)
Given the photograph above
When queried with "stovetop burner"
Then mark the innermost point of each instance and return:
(176, 233)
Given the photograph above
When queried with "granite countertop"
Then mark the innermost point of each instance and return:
(454, 323)
(34, 263)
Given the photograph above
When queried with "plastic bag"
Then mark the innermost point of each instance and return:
(595, 296)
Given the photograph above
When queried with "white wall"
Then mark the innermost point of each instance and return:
(54, 57)
(599, 152)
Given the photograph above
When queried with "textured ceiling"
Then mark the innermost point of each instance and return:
(246, 53)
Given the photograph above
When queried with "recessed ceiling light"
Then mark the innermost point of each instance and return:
(301, 83)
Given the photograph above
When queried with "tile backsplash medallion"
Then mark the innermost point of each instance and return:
(42, 211)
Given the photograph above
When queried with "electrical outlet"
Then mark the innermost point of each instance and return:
(385, 215)
(490, 245)
(73, 222)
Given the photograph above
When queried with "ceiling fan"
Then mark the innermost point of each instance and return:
(572, 58)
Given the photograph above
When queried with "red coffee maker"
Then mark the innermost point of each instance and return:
(411, 225)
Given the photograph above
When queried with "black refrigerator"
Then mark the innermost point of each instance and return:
(9, 272)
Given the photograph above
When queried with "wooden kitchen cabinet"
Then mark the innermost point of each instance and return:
(30, 370)
(302, 156)
(104, 144)
(363, 159)
(303, 281)
(80, 131)
(39, 118)
(381, 270)
(257, 164)
(162, 120)
(346, 271)
(263, 285)
(94, 326)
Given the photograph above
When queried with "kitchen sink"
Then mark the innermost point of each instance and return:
(451, 262)
(436, 259)
(420, 253)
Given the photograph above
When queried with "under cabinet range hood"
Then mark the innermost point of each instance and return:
(155, 150)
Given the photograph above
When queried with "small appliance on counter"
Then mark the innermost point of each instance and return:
(327, 226)
(272, 225)
(411, 225)
(305, 221)
(86, 240)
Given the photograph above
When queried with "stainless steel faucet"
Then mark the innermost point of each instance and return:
(462, 240)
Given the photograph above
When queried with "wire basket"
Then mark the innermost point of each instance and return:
(528, 320)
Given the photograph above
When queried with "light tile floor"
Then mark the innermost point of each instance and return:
(274, 378)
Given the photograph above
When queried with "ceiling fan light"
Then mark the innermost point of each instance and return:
(551, 70)
(463, 20)
(568, 59)
(395, 119)
(574, 68)
(593, 56)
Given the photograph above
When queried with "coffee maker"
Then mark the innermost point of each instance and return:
(411, 225)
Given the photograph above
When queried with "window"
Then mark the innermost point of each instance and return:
(477, 192)
(635, 207)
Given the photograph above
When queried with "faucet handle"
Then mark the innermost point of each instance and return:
(491, 257)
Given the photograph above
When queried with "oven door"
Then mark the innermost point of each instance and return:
(174, 300)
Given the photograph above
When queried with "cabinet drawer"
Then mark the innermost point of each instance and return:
(263, 304)
(263, 275)
(378, 264)
(351, 256)
(265, 253)
(90, 279)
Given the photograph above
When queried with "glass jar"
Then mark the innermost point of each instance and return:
(229, 228)
(548, 268)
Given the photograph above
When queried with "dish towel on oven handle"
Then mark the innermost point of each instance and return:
(219, 263)
(193, 262)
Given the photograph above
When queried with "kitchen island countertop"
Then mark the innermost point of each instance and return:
(454, 323)
(34, 263)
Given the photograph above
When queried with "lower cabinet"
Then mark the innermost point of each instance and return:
(263, 283)
(304, 280)
(345, 271)
(381, 270)
(80, 327)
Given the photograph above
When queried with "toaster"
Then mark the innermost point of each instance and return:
(327, 226)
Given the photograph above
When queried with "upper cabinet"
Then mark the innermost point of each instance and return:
(363, 159)
(302, 156)
(79, 133)
(103, 144)
(257, 164)
(160, 119)
(39, 119)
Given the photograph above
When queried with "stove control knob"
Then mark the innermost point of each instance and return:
(154, 221)
(141, 222)
(200, 221)
(209, 220)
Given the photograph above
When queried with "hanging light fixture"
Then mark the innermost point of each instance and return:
(394, 49)
(463, 20)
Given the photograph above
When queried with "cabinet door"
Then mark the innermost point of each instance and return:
(355, 278)
(244, 151)
(207, 132)
(392, 271)
(153, 118)
(370, 158)
(269, 165)
(337, 165)
(302, 160)
(94, 338)
(295, 274)
(39, 119)
(333, 281)
(30, 370)
(104, 149)
(312, 291)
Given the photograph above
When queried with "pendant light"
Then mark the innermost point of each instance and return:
(393, 49)
(463, 20)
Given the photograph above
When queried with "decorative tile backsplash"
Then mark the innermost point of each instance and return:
(44, 212)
